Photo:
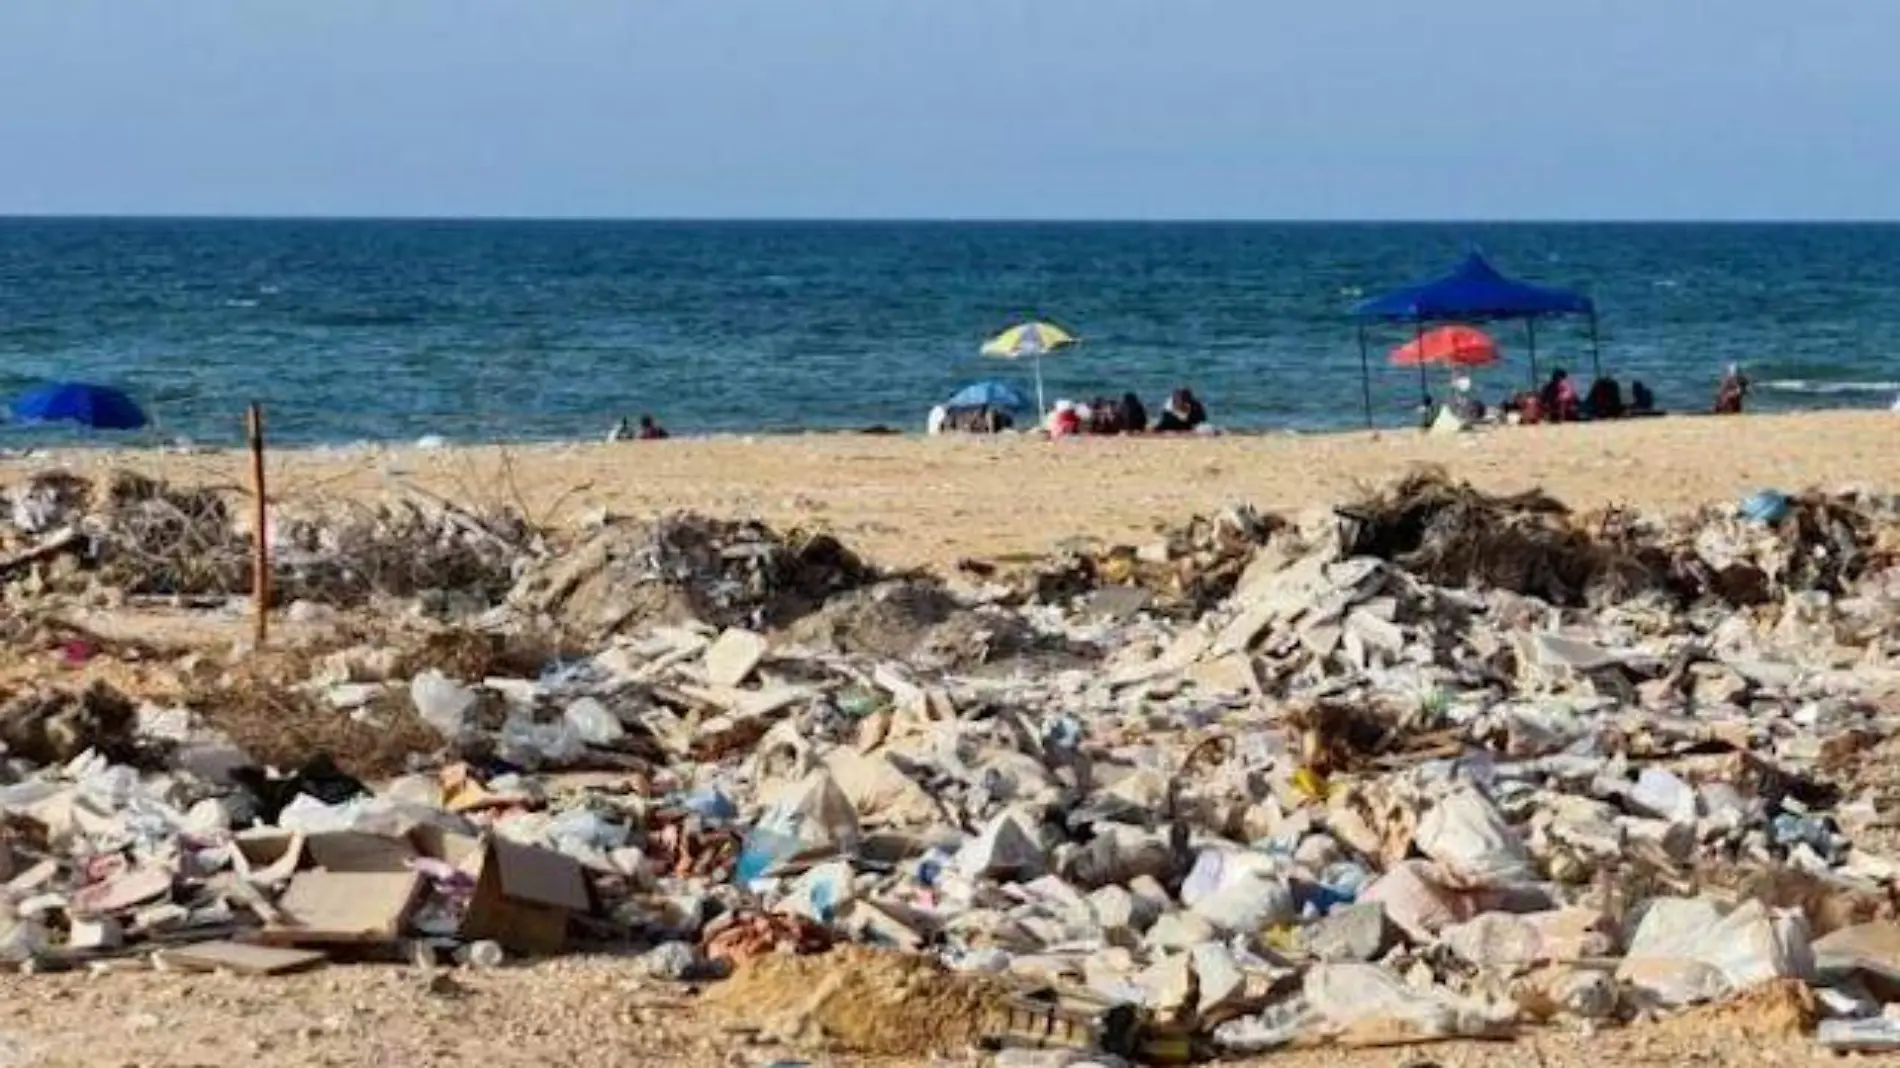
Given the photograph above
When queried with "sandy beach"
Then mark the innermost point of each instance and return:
(914, 501)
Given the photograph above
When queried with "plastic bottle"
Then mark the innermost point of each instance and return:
(482, 955)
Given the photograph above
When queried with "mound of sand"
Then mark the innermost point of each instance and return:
(862, 1001)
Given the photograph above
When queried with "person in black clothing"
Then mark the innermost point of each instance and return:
(1134, 417)
(1605, 400)
(1642, 401)
(1182, 414)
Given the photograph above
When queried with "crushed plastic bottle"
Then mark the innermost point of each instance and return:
(1273, 1027)
(1791, 830)
(482, 955)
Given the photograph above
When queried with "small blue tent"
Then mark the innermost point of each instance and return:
(1474, 292)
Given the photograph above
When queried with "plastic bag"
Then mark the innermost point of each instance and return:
(1686, 951)
(1008, 848)
(1238, 892)
(538, 745)
(1472, 844)
(442, 703)
(1417, 902)
(1369, 1003)
(812, 820)
(593, 722)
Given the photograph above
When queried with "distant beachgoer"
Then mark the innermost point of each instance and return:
(933, 423)
(1605, 400)
(1197, 414)
(1558, 401)
(1642, 401)
(1729, 395)
(1134, 417)
(1065, 420)
(621, 431)
(1182, 413)
(1468, 408)
(650, 430)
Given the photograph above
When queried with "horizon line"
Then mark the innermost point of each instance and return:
(942, 220)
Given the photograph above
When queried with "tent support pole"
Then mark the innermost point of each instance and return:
(1596, 346)
(1424, 387)
(1365, 375)
(1530, 339)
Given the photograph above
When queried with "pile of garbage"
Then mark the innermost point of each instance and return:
(688, 567)
(141, 537)
(1440, 765)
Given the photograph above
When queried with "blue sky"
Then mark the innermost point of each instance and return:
(953, 108)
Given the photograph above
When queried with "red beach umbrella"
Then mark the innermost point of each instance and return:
(1458, 346)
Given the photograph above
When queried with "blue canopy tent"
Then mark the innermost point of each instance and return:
(1474, 292)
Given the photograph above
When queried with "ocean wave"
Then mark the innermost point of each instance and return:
(1803, 385)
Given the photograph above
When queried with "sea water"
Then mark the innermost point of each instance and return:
(351, 330)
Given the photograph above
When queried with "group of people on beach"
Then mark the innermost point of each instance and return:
(647, 430)
(1558, 402)
(1183, 413)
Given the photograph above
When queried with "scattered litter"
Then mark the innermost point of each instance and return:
(1440, 765)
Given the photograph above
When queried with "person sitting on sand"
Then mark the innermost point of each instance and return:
(1729, 395)
(1065, 420)
(1524, 409)
(621, 431)
(1558, 400)
(1642, 401)
(1468, 408)
(1182, 414)
(1605, 400)
(650, 430)
(1134, 417)
(1104, 416)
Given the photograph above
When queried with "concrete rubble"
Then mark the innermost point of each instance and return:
(1437, 765)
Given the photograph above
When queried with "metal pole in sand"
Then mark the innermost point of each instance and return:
(1424, 390)
(1365, 375)
(260, 543)
(1530, 338)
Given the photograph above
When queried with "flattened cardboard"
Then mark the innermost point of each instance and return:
(344, 907)
(524, 897)
(357, 851)
(243, 959)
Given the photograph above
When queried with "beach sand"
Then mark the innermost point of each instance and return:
(910, 501)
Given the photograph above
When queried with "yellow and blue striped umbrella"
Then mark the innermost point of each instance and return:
(1034, 340)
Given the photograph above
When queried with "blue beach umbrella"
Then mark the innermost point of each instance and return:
(990, 394)
(97, 407)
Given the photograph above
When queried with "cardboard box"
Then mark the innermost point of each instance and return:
(524, 897)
